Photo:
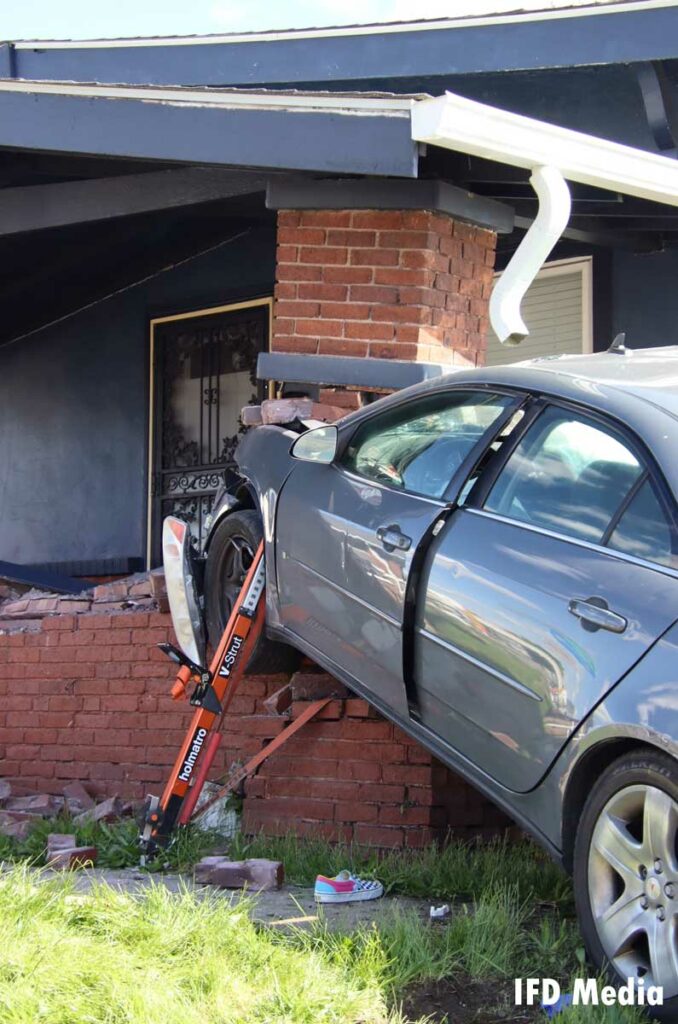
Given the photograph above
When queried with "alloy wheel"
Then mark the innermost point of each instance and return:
(237, 559)
(633, 885)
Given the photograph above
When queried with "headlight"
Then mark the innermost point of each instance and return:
(181, 592)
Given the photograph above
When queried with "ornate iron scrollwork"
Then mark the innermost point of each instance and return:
(198, 389)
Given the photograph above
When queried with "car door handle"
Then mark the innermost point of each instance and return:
(595, 614)
(392, 537)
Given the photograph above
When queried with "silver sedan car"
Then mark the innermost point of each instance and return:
(491, 559)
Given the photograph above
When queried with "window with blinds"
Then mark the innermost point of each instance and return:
(557, 312)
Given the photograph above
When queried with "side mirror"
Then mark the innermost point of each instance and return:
(317, 445)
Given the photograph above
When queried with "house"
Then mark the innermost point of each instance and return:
(169, 208)
(138, 217)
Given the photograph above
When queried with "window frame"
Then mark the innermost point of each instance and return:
(651, 471)
(462, 472)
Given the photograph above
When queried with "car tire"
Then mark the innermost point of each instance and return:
(229, 556)
(626, 856)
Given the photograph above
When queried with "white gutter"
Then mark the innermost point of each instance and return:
(551, 153)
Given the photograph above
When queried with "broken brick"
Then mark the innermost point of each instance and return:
(257, 873)
(107, 810)
(159, 589)
(280, 701)
(58, 841)
(73, 857)
(77, 798)
(315, 685)
(15, 826)
(40, 804)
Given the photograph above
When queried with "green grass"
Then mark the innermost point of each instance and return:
(159, 958)
(117, 844)
(116, 958)
(452, 871)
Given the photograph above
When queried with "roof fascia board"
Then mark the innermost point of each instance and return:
(466, 126)
(185, 132)
(379, 194)
(37, 207)
(625, 33)
(334, 32)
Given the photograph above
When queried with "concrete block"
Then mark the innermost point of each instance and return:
(250, 416)
(315, 685)
(74, 857)
(285, 410)
(5, 790)
(159, 589)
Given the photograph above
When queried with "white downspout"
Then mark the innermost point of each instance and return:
(552, 217)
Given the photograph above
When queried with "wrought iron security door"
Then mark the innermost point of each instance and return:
(203, 373)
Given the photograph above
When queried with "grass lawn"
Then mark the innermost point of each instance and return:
(116, 958)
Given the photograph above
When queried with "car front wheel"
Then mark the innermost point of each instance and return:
(626, 873)
(230, 555)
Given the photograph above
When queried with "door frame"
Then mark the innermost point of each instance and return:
(230, 307)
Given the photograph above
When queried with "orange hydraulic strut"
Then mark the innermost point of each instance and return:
(212, 695)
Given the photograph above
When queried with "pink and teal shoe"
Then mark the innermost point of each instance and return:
(346, 888)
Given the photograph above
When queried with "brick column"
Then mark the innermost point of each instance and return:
(392, 284)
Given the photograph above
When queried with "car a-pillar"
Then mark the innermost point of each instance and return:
(405, 283)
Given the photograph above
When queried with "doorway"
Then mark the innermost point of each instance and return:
(203, 371)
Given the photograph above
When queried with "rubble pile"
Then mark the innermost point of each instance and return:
(139, 592)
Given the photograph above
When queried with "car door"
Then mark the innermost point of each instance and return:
(346, 533)
(540, 594)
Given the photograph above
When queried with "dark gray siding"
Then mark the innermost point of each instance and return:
(645, 298)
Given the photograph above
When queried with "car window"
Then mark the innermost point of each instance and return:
(644, 530)
(567, 474)
(418, 447)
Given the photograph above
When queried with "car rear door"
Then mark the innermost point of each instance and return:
(542, 593)
(346, 534)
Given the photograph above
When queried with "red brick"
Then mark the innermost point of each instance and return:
(345, 310)
(286, 254)
(303, 345)
(356, 810)
(347, 275)
(296, 272)
(377, 219)
(323, 292)
(303, 236)
(342, 347)
(379, 836)
(351, 237)
(325, 218)
(373, 293)
(320, 328)
(288, 218)
(374, 257)
(294, 309)
(369, 330)
(323, 255)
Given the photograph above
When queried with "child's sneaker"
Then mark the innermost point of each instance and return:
(346, 888)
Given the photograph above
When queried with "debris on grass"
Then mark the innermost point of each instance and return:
(258, 874)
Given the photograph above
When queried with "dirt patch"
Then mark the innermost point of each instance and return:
(461, 1000)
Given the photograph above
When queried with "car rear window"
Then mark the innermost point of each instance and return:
(568, 474)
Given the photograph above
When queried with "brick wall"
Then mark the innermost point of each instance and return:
(391, 284)
(87, 697)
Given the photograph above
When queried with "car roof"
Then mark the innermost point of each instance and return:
(650, 374)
